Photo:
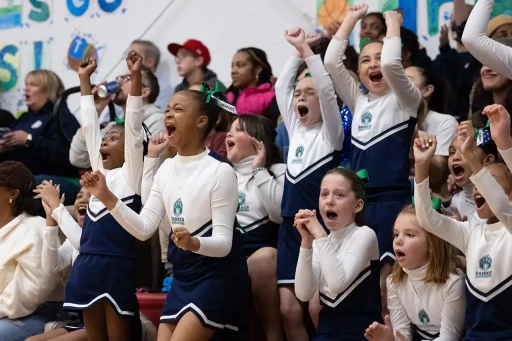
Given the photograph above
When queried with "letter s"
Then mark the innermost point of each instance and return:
(13, 79)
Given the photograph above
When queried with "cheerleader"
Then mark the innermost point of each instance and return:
(426, 297)
(487, 247)
(344, 265)
(312, 118)
(198, 192)
(102, 280)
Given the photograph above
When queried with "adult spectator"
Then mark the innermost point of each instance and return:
(153, 115)
(500, 27)
(251, 91)
(40, 141)
(24, 285)
(192, 59)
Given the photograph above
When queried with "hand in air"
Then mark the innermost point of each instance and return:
(302, 218)
(393, 18)
(295, 36)
(49, 195)
(380, 332)
(182, 238)
(424, 148)
(466, 138)
(87, 67)
(157, 145)
(456, 214)
(443, 36)
(95, 184)
(261, 153)
(499, 119)
(357, 12)
(313, 39)
(134, 62)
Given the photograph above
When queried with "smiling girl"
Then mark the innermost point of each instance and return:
(344, 265)
(426, 297)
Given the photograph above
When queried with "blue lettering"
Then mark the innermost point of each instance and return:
(44, 11)
(13, 73)
(38, 54)
(109, 6)
(77, 7)
(77, 48)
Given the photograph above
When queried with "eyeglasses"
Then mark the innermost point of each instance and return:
(125, 78)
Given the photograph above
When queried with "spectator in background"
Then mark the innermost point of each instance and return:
(251, 90)
(153, 115)
(6, 119)
(373, 26)
(35, 139)
(151, 59)
(500, 27)
(192, 59)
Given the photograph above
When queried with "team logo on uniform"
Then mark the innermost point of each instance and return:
(177, 210)
(298, 154)
(242, 206)
(423, 316)
(484, 264)
(366, 121)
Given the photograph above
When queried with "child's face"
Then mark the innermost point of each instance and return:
(491, 80)
(80, 206)
(238, 143)
(458, 166)
(306, 102)
(338, 204)
(410, 242)
(371, 27)
(182, 119)
(369, 72)
(243, 73)
(112, 148)
(186, 61)
(498, 172)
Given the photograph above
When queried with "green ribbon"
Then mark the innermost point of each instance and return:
(308, 74)
(436, 203)
(363, 42)
(478, 130)
(119, 120)
(205, 88)
(363, 175)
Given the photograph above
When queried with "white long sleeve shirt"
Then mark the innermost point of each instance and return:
(436, 310)
(489, 52)
(57, 256)
(24, 284)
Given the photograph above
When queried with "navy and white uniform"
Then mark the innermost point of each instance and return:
(105, 267)
(199, 193)
(427, 311)
(488, 251)
(313, 151)
(259, 204)
(344, 267)
(382, 129)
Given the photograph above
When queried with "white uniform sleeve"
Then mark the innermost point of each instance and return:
(444, 136)
(332, 127)
(346, 86)
(408, 95)
(68, 225)
(339, 272)
(164, 230)
(150, 168)
(224, 203)
(56, 257)
(489, 52)
(454, 232)
(78, 155)
(495, 197)
(142, 226)
(399, 318)
(307, 275)
(507, 157)
(133, 143)
(453, 313)
(270, 190)
(91, 130)
(285, 88)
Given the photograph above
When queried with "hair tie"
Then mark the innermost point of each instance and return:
(307, 75)
(483, 135)
(210, 94)
(119, 120)
(364, 176)
(436, 203)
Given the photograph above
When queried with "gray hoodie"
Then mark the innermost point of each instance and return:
(78, 155)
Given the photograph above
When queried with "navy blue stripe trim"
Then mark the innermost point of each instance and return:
(432, 336)
(496, 288)
(361, 274)
(202, 228)
(259, 221)
(104, 209)
(312, 166)
(381, 134)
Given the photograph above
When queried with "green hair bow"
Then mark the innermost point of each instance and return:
(436, 203)
(363, 42)
(119, 120)
(205, 88)
(307, 75)
(483, 135)
(363, 175)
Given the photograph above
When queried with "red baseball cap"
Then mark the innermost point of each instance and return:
(194, 46)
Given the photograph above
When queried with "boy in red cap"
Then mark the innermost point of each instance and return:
(192, 59)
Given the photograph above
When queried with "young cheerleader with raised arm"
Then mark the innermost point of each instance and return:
(384, 118)
(426, 297)
(312, 118)
(487, 247)
(102, 280)
(344, 265)
(198, 192)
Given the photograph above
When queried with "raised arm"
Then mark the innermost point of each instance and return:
(270, 189)
(307, 275)
(345, 85)
(406, 92)
(453, 312)
(56, 257)
(157, 144)
(488, 51)
(399, 318)
(68, 225)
